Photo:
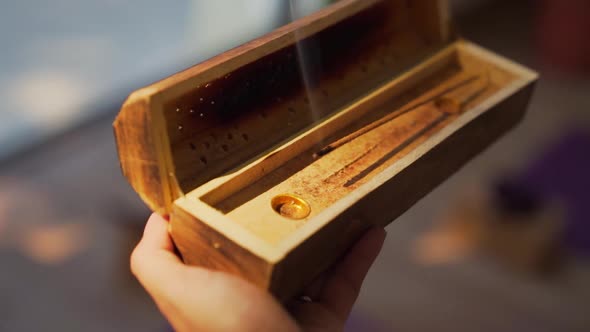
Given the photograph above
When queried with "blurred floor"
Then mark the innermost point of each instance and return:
(77, 181)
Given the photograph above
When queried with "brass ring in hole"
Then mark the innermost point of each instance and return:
(290, 206)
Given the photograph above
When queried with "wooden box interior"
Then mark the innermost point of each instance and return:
(242, 197)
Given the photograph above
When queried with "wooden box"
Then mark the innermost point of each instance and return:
(273, 158)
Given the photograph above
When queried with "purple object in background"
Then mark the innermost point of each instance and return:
(562, 173)
(357, 322)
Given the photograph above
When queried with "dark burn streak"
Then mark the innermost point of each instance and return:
(395, 151)
(345, 140)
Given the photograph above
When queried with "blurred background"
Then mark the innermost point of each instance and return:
(516, 260)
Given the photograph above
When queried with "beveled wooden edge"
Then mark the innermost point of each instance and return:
(138, 159)
(144, 152)
(525, 73)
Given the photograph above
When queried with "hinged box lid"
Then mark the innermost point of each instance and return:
(185, 130)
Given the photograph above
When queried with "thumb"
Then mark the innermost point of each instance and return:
(153, 261)
(194, 298)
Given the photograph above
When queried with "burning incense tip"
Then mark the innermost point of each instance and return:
(324, 151)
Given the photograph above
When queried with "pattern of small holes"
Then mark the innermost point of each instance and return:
(267, 98)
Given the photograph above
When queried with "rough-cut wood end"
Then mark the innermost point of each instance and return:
(138, 152)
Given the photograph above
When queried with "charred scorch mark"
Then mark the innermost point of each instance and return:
(269, 94)
(448, 107)
(395, 151)
(329, 148)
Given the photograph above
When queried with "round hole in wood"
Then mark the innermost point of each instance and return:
(290, 206)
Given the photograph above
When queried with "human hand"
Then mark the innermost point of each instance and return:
(198, 299)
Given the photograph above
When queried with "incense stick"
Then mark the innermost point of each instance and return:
(396, 150)
(447, 106)
(333, 146)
